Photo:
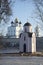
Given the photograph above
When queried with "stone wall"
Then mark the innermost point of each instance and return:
(11, 41)
(39, 43)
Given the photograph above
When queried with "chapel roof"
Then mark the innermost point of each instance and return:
(27, 24)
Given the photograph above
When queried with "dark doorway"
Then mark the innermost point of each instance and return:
(24, 48)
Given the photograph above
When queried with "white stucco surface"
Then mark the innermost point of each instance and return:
(29, 41)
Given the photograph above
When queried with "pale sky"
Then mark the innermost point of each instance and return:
(23, 11)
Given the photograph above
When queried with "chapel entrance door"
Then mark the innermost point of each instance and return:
(24, 48)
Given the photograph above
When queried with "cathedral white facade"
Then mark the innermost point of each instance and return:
(27, 39)
(15, 29)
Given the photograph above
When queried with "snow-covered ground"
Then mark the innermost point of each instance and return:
(21, 60)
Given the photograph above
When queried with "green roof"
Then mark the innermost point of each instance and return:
(20, 22)
(16, 20)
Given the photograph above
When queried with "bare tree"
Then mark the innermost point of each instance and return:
(5, 9)
(39, 8)
(39, 12)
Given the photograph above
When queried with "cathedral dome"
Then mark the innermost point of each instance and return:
(12, 22)
(20, 22)
(27, 24)
(16, 20)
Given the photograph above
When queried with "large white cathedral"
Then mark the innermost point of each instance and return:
(15, 29)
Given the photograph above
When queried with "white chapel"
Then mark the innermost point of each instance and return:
(27, 39)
